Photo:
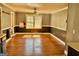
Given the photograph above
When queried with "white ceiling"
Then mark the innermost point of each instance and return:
(27, 4)
(43, 7)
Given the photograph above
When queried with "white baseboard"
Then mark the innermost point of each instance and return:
(22, 33)
(57, 39)
(46, 33)
(7, 41)
(65, 52)
(13, 34)
(63, 43)
(10, 38)
(38, 33)
(32, 33)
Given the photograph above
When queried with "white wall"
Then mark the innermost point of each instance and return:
(5, 17)
(58, 20)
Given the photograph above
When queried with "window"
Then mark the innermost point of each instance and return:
(33, 22)
(38, 22)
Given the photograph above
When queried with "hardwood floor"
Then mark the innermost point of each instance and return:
(34, 45)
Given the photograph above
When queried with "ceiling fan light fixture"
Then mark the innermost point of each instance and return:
(35, 10)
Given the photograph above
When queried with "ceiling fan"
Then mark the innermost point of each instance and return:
(35, 6)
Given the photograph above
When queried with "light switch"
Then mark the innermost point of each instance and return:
(73, 31)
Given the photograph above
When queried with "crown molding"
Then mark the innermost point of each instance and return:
(60, 10)
(45, 12)
(53, 12)
(8, 6)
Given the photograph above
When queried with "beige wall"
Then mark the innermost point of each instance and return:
(76, 24)
(22, 17)
(58, 20)
(46, 19)
(73, 26)
(0, 20)
(71, 14)
(73, 23)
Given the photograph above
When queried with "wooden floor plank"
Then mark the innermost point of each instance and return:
(34, 45)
